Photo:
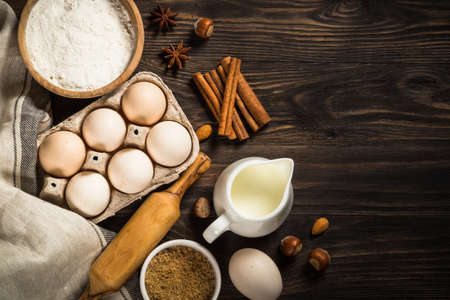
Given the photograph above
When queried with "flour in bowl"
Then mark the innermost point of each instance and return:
(80, 45)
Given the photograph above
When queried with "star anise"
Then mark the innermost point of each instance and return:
(176, 55)
(164, 17)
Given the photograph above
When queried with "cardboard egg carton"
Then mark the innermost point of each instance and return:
(53, 188)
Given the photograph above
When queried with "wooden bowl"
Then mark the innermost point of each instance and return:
(136, 20)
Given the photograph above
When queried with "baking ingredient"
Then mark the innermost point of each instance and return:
(213, 98)
(130, 170)
(212, 87)
(258, 189)
(237, 124)
(255, 275)
(104, 129)
(229, 97)
(164, 18)
(87, 193)
(169, 143)
(320, 226)
(204, 27)
(176, 55)
(248, 96)
(291, 245)
(144, 103)
(62, 153)
(180, 273)
(220, 76)
(80, 45)
(204, 132)
(202, 208)
(319, 259)
(143, 231)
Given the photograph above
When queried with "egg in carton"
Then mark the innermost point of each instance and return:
(96, 163)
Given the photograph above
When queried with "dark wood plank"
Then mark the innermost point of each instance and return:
(359, 92)
(315, 31)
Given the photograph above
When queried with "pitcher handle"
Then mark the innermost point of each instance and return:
(216, 228)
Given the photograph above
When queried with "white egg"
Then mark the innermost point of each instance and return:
(130, 170)
(104, 129)
(255, 275)
(62, 153)
(144, 103)
(169, 143)
(87, 193)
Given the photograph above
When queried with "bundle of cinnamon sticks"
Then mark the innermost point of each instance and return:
(224, 89)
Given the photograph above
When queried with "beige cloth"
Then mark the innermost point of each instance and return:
(45, 250)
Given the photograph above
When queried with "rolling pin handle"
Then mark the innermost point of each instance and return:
(198, 167)
(85, 295)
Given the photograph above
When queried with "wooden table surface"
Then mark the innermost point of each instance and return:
(359, 94)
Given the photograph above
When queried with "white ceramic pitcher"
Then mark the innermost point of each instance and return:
(248, 205)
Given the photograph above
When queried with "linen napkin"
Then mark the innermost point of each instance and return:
(45, 251)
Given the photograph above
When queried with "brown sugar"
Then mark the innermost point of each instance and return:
(180, 272)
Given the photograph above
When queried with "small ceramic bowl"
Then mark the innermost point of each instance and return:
(186, 243)
(136, 20)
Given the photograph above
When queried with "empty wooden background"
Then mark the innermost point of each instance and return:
(359, 93)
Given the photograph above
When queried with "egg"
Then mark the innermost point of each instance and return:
(104, 130)
(169, 143)
(144, 103)
(130, 170)
(62, 153)
(87, 193)
(255, 275)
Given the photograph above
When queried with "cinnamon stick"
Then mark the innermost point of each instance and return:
(219, 75)
(218, 92)
(248, 96)
(237, 123)
(210, 98)
(229, 97)
(239, 127)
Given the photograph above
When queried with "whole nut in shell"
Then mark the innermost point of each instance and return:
(291, 245)
(319, 259)
(204, 27)
(320, 226)
(203, 132)
(202, 208)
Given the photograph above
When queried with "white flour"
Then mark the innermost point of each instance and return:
(80, 44)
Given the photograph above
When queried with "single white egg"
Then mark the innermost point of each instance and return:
(62, 153)
(144, 103)
(104, 129)
(130, 170)
(87, 193)
(169, 143)
(255, 275)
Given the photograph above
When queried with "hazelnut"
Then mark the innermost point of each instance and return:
(291, 245)
(319, 259)
(204, 27)
(202, 208)
(203, 132)
(320, 226)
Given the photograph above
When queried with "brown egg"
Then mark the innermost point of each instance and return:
(169, 143)
(87, 193)
(130, 171)
(62, 153)
(104, 129)
(144, 103)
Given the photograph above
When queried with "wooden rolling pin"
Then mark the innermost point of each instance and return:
(148, 225)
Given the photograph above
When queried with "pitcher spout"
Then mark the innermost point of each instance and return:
(286, 165)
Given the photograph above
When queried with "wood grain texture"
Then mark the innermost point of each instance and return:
(359, 95)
